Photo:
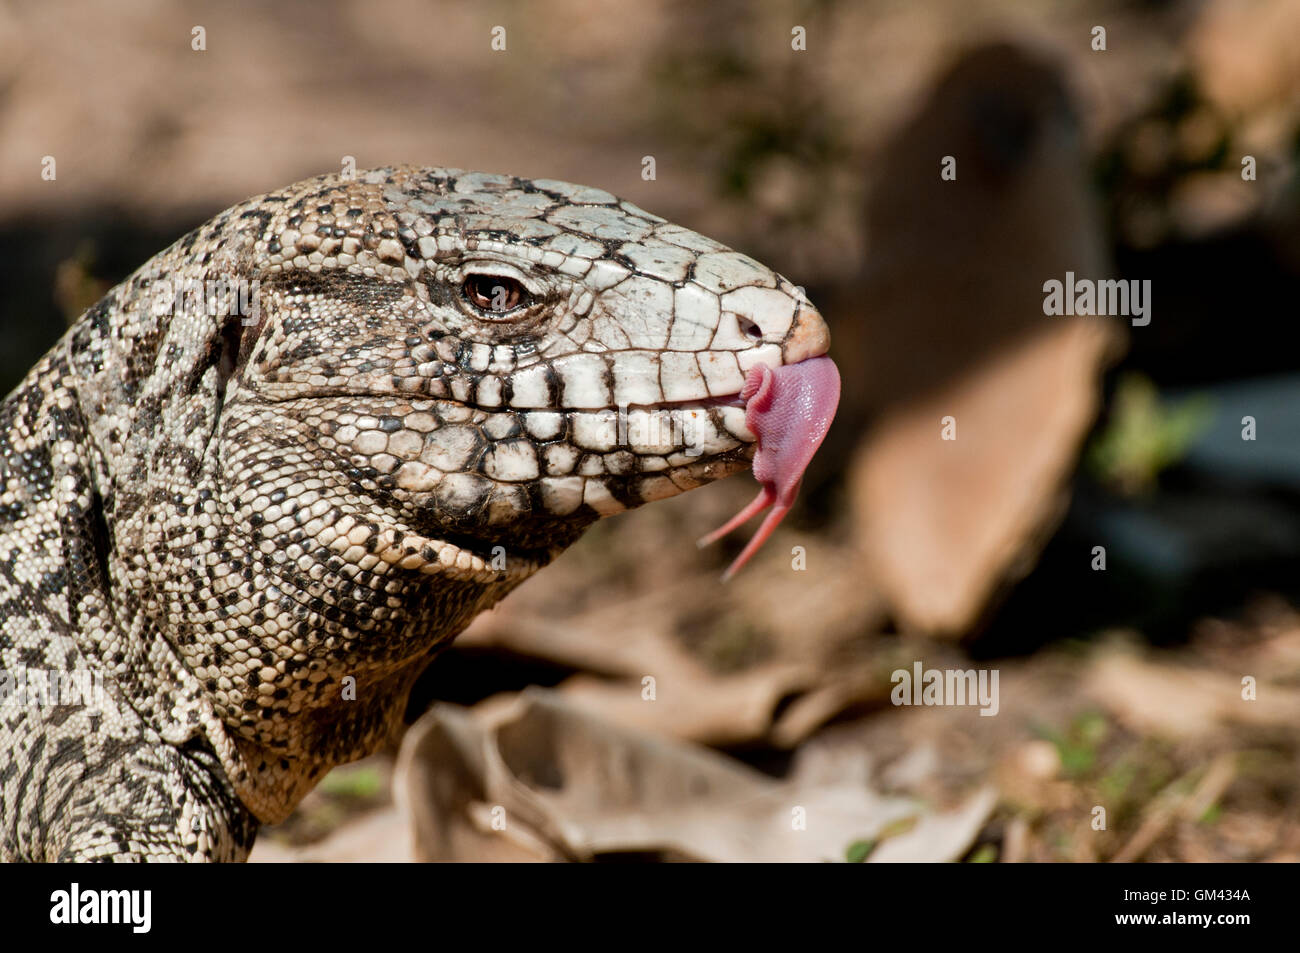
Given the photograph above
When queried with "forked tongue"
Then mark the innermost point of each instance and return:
(789, 410)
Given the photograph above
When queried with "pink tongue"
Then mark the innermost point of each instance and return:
(789, 409)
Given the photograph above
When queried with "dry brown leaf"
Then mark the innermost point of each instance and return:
(381, 836)
(1184, 702)
(947, 321)
(798, 625)
(560, 783)
(945, 522)
(694, 707)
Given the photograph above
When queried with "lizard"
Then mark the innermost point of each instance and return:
(262, 482)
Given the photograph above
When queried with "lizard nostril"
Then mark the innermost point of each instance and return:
(749, 328)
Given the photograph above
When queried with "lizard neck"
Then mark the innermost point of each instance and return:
(314, 665)
(337, 662)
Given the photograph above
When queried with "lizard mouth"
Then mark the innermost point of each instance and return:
(734, 400)
(695, 403)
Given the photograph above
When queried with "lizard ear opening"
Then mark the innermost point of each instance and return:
(238, 335)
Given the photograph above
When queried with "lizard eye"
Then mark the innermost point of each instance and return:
(494, 294)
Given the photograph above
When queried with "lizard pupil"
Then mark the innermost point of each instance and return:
(494, 294)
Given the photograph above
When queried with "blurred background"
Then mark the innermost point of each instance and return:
(1115, 530)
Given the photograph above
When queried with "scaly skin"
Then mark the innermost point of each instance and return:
(260, 527)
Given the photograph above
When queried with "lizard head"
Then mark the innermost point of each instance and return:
(493, 363)
(429, 383)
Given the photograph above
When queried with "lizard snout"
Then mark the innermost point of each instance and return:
(808, 336)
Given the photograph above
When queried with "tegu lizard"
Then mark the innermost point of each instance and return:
(252, 492)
